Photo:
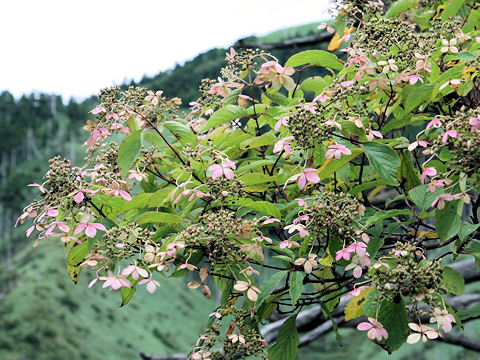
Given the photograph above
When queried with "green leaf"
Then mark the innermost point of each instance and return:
(296, 285)
(384, 160)
(265, 207)
(256, 178)
(406, 173)
(385, 214)
(75, 257)
(129, 150)
(467, 229)
(415, 98)
(184, 134)
(472, 248)
(315, 84)
(277, 98)
(398, 7)
(223, 115)
(159, 197)
(421, 197)
(464, 55)
(268, 287)
(286, 345)
(393, 315)
(266, 139)
(333, 165)
(452, 9)
(127, 293)
(159, 217)
(473, 312)
(315, 57)
(448, 222)
(453, 280)
(232, 97)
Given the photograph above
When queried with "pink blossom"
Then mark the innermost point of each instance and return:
(114, 189)
(347, 84)
(284, 144)
(115, 282)
(345, 253)
(40, 187)
(414, 78)
(137, 175)
(301, 218)
(436, 123)
(80, 194)
(359, 248)
(288, 244)
(440, 200)
(475, 122)
(230, 57)
(307, 175)
(31, 213)
(225, 169)
(216, 314)
(336, 151)
(187, 266)
(174, 246)
(277, 74)
(447, 134)
(151, 284)
(52, 211)
(443, 319)
(222, 88)
(271, 220)
(262, 238)
(432, 187)
(135, 271)
(375, 329)
(302, 231)
(98, 110)
(429, 171)
(283, 121)
(90, 229)
(357, 291)
(301, 202)
(379, 264)
(61, 226)
(417, 143)
(358, 262)
(112, 116)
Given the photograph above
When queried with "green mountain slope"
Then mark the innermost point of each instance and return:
(47, 317)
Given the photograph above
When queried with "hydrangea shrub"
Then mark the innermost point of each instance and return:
(283, 191)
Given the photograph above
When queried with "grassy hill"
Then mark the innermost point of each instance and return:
(47, 317)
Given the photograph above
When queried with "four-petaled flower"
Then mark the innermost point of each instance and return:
(436, 123)
(252, 291)
(449, 46)
(284, 144)
(90, 229)
(388, 65)
(114, 282)
(443, 318)
(336, 151)
(308, 263)
(307, 175)
(151, 284)
(283, 121)
(440, 200)
(422, 332)
(375, 329)
(449, 134)
(226, 169)
(277, 74)
(135, 271)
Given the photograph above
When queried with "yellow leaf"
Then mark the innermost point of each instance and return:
(354, 308)
(376, 191)
(325, 273)
(427, 234)
(337, 40)
(326, 260)
(439, 9)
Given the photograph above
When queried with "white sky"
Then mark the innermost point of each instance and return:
(74, 48)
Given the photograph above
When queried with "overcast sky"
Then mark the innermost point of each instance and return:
(74, 48)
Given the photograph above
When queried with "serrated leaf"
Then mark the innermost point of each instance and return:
(384, 160)
(452, 9)
(269, 286)
(224, 115)
(296, 285)
(129, 150)
(421, 197)
(75, 257)
(332, 165)
(265, 207)
(453, 280)
(399, 6)
(286, 344)
(473, 312)
(448, 222)
(393, 315)
(127, 293)
(418, 96)
(467, 229)
(315, 57)
(183, 133)
(159, 217)
(354, 308)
